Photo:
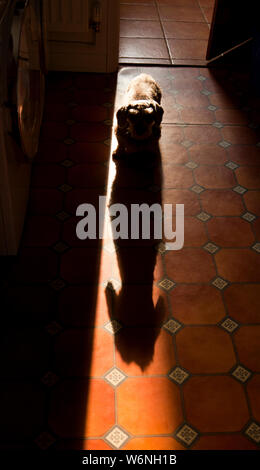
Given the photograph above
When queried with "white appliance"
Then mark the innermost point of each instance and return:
(21, 108)
(37, 36)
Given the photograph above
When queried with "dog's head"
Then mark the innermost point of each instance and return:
(140, 118)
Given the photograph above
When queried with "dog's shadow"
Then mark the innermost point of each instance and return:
(138, 180)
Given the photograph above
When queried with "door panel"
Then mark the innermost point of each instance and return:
(69, 17)
(81, 35)
(232, 24)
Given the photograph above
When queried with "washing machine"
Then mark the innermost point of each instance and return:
(22, 78)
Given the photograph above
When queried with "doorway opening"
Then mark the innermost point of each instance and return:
(165, 32)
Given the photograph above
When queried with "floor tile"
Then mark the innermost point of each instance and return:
(142, 61)
(243, 302)
(138, 12)
(24, 354)
(244, 155)
(41, 231)
(238, 265)
(48, 176)
(21, 413)
(208, 154)
(208, 13)
(221, 203)
(172, 153)
(143, 48)
(181, 266)
(202, 134)
(80, 306)
(73, 348)
(253, 390)
(83, 152)
(182, 196)
(106, 328)
(157, 400)
(44, 201)
(181, 13)
(214, 177)
(247, 345)
(75, 410)
(153, 443)
(188, 48)
(140, 29)
(89, 113)
(197, 304)
(197, 116)
(220, 404)
(252, 201)
(249, 177)
(224, 442)
(177, 177)
(182, 30)
(160, 353)
(205, 350)
(230, 231)
(239, 135)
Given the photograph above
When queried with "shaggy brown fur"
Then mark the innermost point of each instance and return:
(139, 121)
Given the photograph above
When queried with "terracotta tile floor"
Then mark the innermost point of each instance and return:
(126, 346)
(165, 31)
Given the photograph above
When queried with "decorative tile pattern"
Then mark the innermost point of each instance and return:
(231, 165)
(60, 247)
(186, 434)
(166, 284)
(218, 125)
(253, 431)
(197, 189)
(206, 92)
(172, 326)
(178, 375)
(248, 217)
(62, 216)
(67, 163)
(187, 143)
(149, 362)
(53, 328)
(69, 141)
(65, 188)
(45, 440)
(203, 216)
(229, 325)
(201, 78)
(117, 437)
(241, 373)
(211, 248)
(191, 165)
(256, 247)
(212, 108)
(115, 377)
(161, 248)
(224, 144)
(239, 189)
(49, 379)
(113, 327)
(220, 283)
(58, 284)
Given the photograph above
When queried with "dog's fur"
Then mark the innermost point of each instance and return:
(139, 121)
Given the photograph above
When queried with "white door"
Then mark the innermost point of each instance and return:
(81, 35)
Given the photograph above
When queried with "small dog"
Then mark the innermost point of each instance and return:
(139, 121)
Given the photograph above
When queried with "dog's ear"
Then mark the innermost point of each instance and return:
(121, 116)
(158, 114)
